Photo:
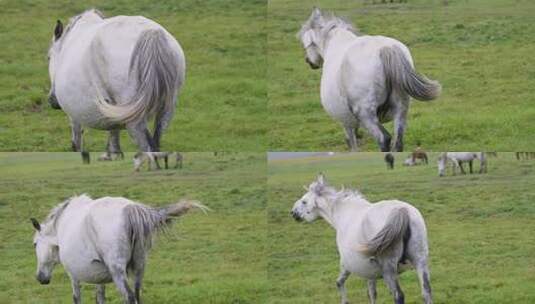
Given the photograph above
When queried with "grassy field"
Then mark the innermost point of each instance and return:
(213, 258)
(479, 226)
(480, 51)
(224, 42)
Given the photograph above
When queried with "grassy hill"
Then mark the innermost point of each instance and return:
(224, 43)
(213, 258)
(479, 226)
(479, 50)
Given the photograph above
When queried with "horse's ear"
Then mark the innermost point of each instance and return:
(321, 179)
(58, 30)
(315, 16)
(36, 224)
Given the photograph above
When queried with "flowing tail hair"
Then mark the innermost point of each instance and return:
(144, 221)
(156, 68)
(400, 75)
(395, 230)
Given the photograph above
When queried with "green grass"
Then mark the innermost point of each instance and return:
(223, 102)
(479, 226)
(479, 50)
(213, 258)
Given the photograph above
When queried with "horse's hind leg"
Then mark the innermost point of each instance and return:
(340, 285)
(372, 291)
(114, 147)
(120, 279)
(161, 122)
(351, 138)
(470, 165)
(141, 135)
(101, 294)
(371, 123)
(76, 139)
(390, 276)
(425, 283)
(400, 105)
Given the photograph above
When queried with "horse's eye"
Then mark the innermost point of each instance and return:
(34, 245)
(304, 202)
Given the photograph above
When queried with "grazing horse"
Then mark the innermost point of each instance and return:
(419, 154)
(115, 73)
(366, 80)
(457, 158)
(374, 239)
(152, 158)
(389, 159)
(101, 241)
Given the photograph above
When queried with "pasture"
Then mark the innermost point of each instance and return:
(214, 258)
(479, 50)
(479, 229)
(224, 43)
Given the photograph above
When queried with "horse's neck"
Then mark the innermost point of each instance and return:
(342, 210)
(336, 39)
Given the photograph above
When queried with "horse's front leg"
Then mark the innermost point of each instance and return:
(76, 294)
(76, 136)
(340, 284)
(371, 123)
(101, 294)
(139, 132)
(470, 166)
(351, 138)
(372, 291)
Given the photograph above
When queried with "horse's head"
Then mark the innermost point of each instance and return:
(308, 206)
(52, 61)
(309, 35)
(47, 251)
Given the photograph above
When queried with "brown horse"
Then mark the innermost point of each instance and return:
(419, 154)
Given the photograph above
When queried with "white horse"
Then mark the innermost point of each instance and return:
(115, 73)
(457, 158)
(374, 240)
(101, 241)
(366, 80)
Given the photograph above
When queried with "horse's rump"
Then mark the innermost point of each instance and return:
(395, 230)
(156, 67)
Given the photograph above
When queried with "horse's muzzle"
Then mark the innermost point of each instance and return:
(296, 216)
(53, 101)
(42, 278)
(311, 64)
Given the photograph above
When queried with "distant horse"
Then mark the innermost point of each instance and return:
(151, 158)
(366, 80)
(389, 159)
(101, 241)
(419, 154)
(457, 158)
(374, 240)
(115, 73)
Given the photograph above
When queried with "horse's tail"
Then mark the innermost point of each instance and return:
(144, 222)
(395, 230)
(400, 74)
(155, 67)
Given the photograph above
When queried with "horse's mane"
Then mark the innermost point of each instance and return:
(55, 213)
(341, 194)
(330, 21)
(75, 19)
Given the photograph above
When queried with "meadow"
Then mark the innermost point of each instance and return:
(479, 50)
(224, 42)
(479, 229)
(217, 257)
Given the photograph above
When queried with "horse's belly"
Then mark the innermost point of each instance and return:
(336, 106)
(361, 265)
(94, 272)
(86, 113)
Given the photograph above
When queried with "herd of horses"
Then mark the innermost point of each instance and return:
(457, 159)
